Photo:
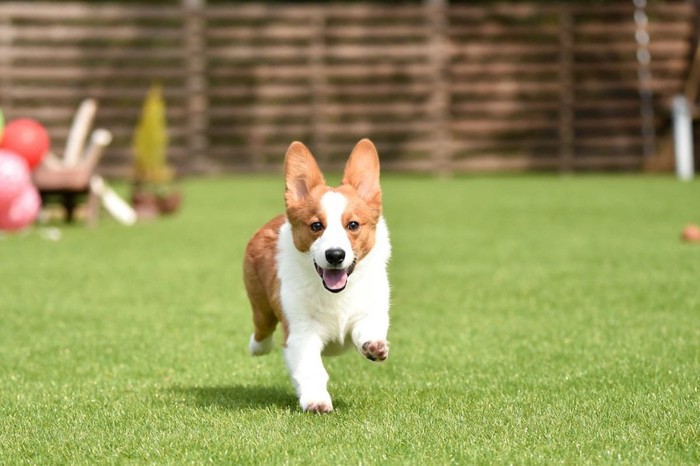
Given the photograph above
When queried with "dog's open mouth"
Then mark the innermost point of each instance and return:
(334, 280)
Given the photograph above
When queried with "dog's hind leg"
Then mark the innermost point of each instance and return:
(265, 324)
(264, 318)
(262, 286)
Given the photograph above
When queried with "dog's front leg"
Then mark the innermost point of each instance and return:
(303, 357)
(369, 336)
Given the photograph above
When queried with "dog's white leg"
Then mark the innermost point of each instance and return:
(303, 358)
(369, 336)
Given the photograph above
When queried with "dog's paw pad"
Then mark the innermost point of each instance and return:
(376, 350)
(319, 407)
(316, 402)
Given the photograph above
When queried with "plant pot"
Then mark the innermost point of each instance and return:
(145, 204)
(169, 203)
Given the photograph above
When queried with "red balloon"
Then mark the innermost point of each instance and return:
(27, 138)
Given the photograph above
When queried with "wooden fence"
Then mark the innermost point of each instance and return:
(438, 86)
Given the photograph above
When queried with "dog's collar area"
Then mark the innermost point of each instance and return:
(334, 280)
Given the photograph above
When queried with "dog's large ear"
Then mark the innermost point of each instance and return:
(301, 173)
(362, 171)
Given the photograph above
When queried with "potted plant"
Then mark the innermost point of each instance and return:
(154, 191)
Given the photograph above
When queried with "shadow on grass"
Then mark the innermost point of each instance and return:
(238, 397)
(241, 397)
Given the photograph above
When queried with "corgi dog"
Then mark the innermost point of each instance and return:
(321, 271)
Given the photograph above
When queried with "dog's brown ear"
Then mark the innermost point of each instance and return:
(301, 173)
(362, 171)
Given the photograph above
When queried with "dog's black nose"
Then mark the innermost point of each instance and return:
(335, 256)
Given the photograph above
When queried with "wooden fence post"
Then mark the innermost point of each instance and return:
(437, 12)
(5, 63)
(194, 25)
(319, 91)
(692, 82)
(646, 94)
(566, 89)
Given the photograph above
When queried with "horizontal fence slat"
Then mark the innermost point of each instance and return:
(80, 11)
(73, 72)
(73, 92)
(92, 53)
(102, 32)
(281, 33)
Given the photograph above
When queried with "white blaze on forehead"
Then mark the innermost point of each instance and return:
(333, 205)
(334, 236)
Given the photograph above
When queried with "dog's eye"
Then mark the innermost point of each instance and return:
(352, 226)
(316, 226)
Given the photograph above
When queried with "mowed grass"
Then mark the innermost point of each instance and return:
(535, 319)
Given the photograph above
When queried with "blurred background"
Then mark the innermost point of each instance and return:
(439, 86)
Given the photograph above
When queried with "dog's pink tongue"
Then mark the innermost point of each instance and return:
(335, 279)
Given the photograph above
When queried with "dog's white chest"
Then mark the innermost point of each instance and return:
(332, 316)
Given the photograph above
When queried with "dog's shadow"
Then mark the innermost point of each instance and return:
(238, 397)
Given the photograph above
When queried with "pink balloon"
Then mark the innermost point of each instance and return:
(14, 177)
(22, 211)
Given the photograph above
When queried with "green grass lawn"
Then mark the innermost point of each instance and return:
(535, 319)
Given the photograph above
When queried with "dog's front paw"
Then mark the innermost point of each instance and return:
(316, 404)
(376, 350)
